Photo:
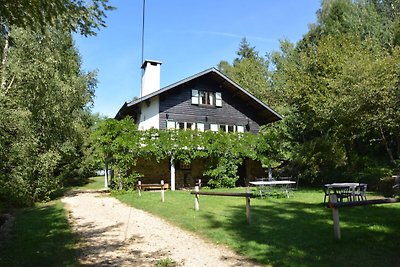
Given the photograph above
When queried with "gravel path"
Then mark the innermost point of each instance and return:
(114, 234)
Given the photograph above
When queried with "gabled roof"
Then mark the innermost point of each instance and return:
(265, 113)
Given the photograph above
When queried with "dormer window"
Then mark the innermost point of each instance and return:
(206, 98)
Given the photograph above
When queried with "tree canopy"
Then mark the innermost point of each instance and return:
(45, 98)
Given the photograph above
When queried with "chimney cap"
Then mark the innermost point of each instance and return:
(152, 62)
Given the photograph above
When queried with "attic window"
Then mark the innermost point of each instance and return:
(206, 98)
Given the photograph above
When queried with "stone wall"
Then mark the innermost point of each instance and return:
(187, 176)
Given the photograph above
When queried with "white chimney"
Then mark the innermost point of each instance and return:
(150, 77)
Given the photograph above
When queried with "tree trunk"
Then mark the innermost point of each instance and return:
(3, 63)
(386, 144)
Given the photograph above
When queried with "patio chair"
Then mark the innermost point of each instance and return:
(343, 193)
(326, 192)
(360, 192)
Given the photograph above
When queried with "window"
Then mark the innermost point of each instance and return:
(190, 125)
(206, 98)
(184, 166)
(181, 125)
(231, 128)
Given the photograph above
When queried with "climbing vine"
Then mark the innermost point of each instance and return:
(122, 142)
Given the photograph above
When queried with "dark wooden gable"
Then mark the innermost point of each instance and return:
(238, 106)
(177, 106)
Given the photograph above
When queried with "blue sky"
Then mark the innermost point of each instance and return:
(188, 36)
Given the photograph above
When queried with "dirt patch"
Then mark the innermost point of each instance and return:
(114, 234)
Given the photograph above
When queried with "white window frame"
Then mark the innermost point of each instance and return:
(171, 124)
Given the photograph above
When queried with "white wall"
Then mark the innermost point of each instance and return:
(149, 117)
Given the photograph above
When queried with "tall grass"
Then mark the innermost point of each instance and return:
(284, 232)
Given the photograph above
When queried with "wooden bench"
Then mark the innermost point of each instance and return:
(153, 186)
(334, 205)
(196, 192)
(161, 186)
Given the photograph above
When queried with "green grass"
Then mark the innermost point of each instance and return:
(41, 237)
(95, 183)
(284, 232)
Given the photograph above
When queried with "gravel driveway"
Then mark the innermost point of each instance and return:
(114, 234)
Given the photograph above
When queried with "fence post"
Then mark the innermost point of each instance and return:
(196, 198)
(162, 191)
(248, 216)
(335, 216)
(139, 188)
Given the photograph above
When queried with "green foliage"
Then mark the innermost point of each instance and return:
(250, 70)
(65, 15)
(339, 89)
(45, 118)
(124, 143)
(166, 262)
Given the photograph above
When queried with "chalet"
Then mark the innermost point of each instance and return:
(207, 101)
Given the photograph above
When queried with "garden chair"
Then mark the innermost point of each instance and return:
(326, 192)
(343, 193)
(360, 192)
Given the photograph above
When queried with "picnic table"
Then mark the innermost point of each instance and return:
(265, 186)
(341, 190)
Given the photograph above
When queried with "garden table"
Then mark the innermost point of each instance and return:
(337, 187)
(262, 185)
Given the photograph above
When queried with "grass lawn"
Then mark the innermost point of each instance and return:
(284, 232)
(41, 237)
(95, 183)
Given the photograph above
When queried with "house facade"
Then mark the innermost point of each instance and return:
(207, 101)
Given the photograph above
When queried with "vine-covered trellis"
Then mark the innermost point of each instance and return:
(124, 143)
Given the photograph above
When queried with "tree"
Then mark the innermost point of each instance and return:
(66, 15)
(46, 116)
(249, 70)
(341, 91)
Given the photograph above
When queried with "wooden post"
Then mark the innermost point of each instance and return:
(335, 216)
(248, 216)
(196, 198)
(106, 176)
(162, 191)
(139, 188)
(172, 174)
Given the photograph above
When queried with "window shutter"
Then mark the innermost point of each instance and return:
(218, 99)
(214, 127)
(170, 125)
(200, 127)
(195, 97)
(240, 129)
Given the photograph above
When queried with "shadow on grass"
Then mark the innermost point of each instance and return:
(301, 234)
(41, 237)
